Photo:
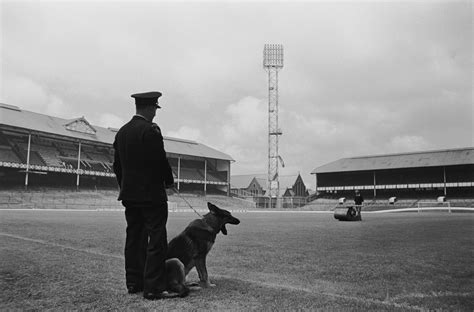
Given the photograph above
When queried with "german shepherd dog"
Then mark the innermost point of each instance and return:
(190, 248)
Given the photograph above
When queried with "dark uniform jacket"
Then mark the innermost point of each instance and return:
(140, 162)
(358, 199)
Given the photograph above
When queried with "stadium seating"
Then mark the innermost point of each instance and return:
(8, 155)
(189, 174)
(212, 176)
(95, 166)
(4, 140)
(58, 158)
(98, 157)
(67, 152)
(53, 154)
(50, 156)
(69, 163)
(35, 158)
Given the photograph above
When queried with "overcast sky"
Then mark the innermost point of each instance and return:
(359, 78)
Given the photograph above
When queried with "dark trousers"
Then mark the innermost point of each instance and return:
(146, 245)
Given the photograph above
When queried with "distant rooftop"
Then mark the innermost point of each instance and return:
(244, 180)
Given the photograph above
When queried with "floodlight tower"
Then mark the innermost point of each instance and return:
(273, 62)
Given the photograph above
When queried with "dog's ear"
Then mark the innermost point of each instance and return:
(212, 208)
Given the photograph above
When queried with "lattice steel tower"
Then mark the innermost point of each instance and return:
(273, 62)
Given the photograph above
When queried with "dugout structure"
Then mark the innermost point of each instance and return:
(38, 150)
(425, 174)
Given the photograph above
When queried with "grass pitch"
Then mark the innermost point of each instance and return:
(73, 260)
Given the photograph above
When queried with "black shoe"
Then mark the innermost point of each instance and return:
(134, 289)
(157, 296)
(184, 292)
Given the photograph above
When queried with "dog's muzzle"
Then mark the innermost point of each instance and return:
(234, 221)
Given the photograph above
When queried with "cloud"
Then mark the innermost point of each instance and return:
(315, 127)
(243, 134)
(31, 95)
(185, 132)
(247, 118)
(110, 120)
(408, 143)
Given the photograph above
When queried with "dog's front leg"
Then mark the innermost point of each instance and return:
(202, 271)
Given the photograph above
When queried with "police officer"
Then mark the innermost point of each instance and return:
(143, 173)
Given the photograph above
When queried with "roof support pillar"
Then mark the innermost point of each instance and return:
(205, 176)
(316, 182)
(78, 165)
(228, 180)
(179, 170)
(28, 161)
(444, 179)
(375, 186)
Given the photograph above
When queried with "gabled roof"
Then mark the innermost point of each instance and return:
(243, 181)
(80, 128)
(448, 157)
(80, 125)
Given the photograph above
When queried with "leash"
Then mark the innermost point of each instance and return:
(210, 228)
(177, 193)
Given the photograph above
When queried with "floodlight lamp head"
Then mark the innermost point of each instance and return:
(273, 55)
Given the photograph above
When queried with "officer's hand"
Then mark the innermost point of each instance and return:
(169, 185)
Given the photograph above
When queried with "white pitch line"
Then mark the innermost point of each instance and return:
(250, 211)
(423, 209)
(170, 210)
(290, 211)
(433, 294)
(260, 283)
(43, 242)
(61, 210)
(312, 292)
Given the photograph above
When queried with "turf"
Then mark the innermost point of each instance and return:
(72, 260)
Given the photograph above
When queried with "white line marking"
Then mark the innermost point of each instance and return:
(245, 210)
(422, 209)
(310, 291)
(62, 210)
(43, 242)
(433, 294)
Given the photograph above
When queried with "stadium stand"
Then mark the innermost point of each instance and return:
(38, 150)
(425, 174)
(411, 178)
